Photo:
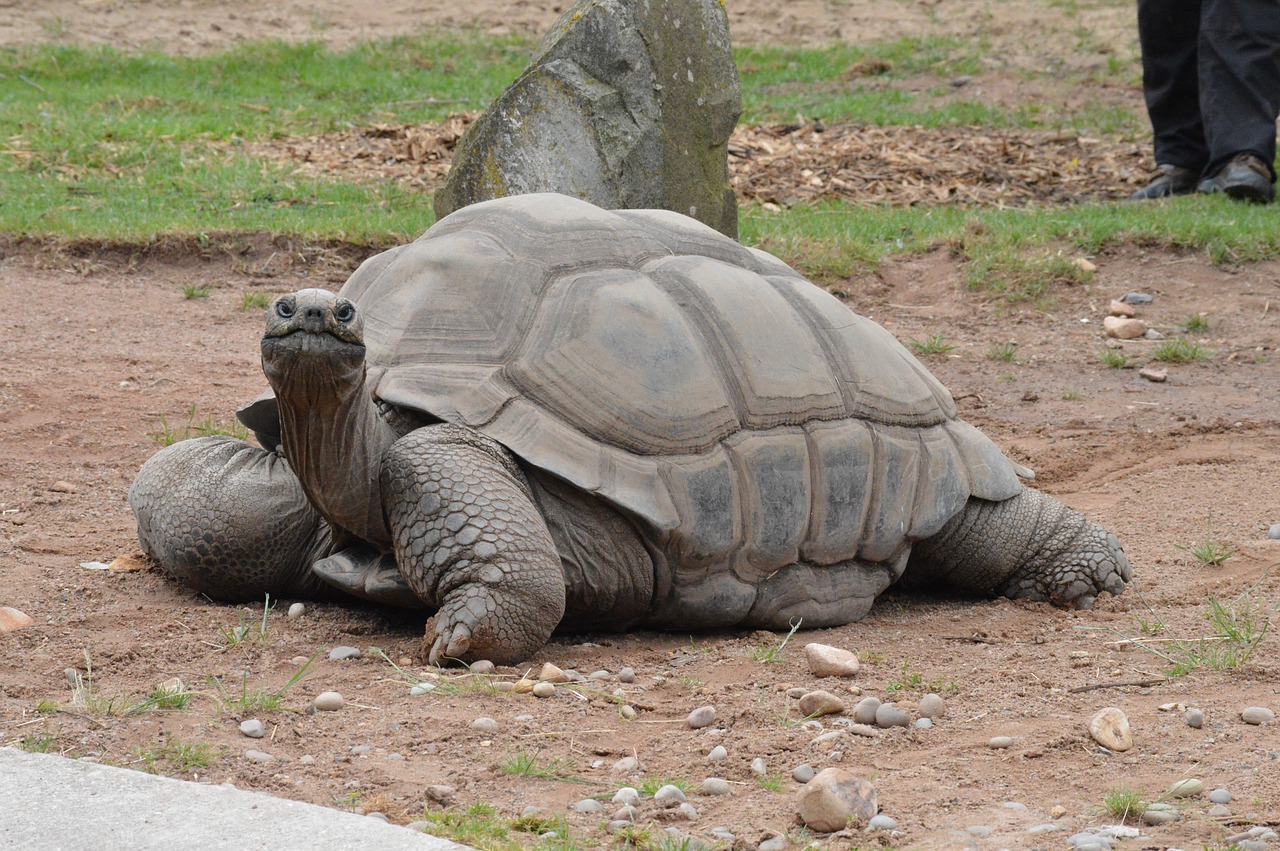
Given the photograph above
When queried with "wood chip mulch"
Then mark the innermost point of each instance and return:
(785, 165)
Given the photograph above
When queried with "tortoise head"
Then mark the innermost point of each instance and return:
(313, 345)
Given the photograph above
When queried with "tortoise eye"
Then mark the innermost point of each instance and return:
(284, 309)
(344, 312)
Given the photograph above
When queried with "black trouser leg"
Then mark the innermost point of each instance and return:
(1239, 50)
(1168, 31)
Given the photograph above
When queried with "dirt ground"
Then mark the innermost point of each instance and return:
(102, 350)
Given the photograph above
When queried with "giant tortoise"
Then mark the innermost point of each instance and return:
(543, 414)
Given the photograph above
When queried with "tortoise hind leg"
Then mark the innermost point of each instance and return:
(822, 595)
(1028, 547)
(470, 541)
(229, 520)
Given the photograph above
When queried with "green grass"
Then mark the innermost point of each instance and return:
(1209, 551)
(1196, 323)
(935, 344)
(192, 291)
(1123, 804)
(249, 701)
(524, 764)
(37, 742)
(167, 435)
(650, 785)
(1005, 352)
(1114, 359)
(772, 653)
(481, 826)
(1180, 350)
(255, 300)
(909, 681)
(255, 631)
(178, 756)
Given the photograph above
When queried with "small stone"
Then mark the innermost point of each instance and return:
(1257, 715)
(882, 822)
(923, 723)
(803, 772)
(343, 651)
(1110, 728)
(307, 759)
(1195, 718)
(1158, 375)
(360, 750)
(627, 675)
(864, 712)
(821, 703)
(587, 805)
(998, 743)
(1219, 811)
(257, 756)
(253, 728)
(626, 765)
(1123, 328)
(979, 830)
(1085, 265)
(773, 843)
(12, 620)
(865, 730)
(551, 674)
(296, 611)
(1058, 811)
(834, 798)
(758, 767)
(599, 675)
(1156, 817)
(669, 795)
(828, 737)
(1043, 828)
(1152, 334)
(892, 715)
(328, 701)
(626, 795)
(484, 725)
(1220, 796)
(715, 786)
(627, 711)
(701, 717)
(827, 661)
(62, 487)
(524, 685)
(1188, 788)
(1274, 532)
(932, 706)
(796, 692)
(419, 689)
(718, 753)
(299, 661)
(1120, 308)
(1137, 298)
(481, 666)
(543, 689)
(441, 794)
(688, 810)
(625, 813)
(1015, 806)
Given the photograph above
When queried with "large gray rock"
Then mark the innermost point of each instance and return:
(628, 105)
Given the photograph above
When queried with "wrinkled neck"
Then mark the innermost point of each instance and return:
(334, 438)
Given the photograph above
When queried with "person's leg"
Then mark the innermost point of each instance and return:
(1168, 31)
(1239, 79)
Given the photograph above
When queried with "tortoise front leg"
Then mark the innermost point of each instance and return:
(469, 539)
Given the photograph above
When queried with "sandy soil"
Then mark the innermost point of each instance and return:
(101, 347)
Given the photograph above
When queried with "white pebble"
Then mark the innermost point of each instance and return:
(253, 728)
(688, 810)
(257, 756)
(1188, 788)
(932, 706)
(1195, 718)
(1000, 742)
(329, 701)
(882, 822)
(481, 666)
(627, 711)
(1257, 715)
(420, 689)
(718, 753)
(923, 723)
(1220, 796)
(626, 796)
(484, 725)
(627, 675)
(344, 651)
(701, 717)
(758, 767)
(827, 661)
(669, 795)
(715, 786)
(803, 772)
(543, 689)
(626, 765)
(587, 805)
(296, 611)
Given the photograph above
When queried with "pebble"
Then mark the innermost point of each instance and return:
(864, 730)
(543, 689)
(1015, 806)
(758, 767)
(551, 674)
(296, 611)
(1195, 718)
(1257, 715)
(587, 805)
(718, 753)
(715, 786)
(795, 692)
(669, 795)
(627, 796)
(1120, 308)
(599, 675)
(864, 711)
(627, 675)
(626, 765)
(892, 715)
(979, 830)
(1000, 742)
(932, 706)
(773, 843)
(625, 813)
(1058, 811)
(1137, 298)
(627, 711)
(441, 794)
(1086, 265)
(1220, 796)
(803, 772)
(1188, 788)
(829, 800)
(307, 759)
(1043, 828)
(12, 619)
(1110, 728)
(701, 717)
(484, 725)
(689, 811)
(923, 723)
(329, 701)
(300, 660)
(1123, 328)
(821, 703)
(882, 822)
(1156, 375)
(481, 666)
(1157, 817)
(828, 737)
(1274, 532)
(257, 756)
(827, 661)
(1152, 334)
(524, 685)
(253, 728)
(343, 651)
(1084, 840)
(1219, 811)
(420, 689)
(357, 750)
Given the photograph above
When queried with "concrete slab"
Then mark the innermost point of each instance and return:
(52, 803)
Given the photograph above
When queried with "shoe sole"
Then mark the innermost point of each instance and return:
(1247, 192)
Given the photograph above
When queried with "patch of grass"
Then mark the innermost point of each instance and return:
(1004, 352)
(773, 652)
(1072, 394)
(166, 697)
(934, 344)
(86, 697)
(1209, 551)
(524, 764)
(771, 782)
(248, 701)
(1115, 359)
(1197, 323)
(255, 300)
(255, 632)
(479, 826)
(1123, 804)
(650, 785)
(1180, 350)
(37, 742)
(909, 681)
(179, 756)
(169, 435)
(46, 707)
(193, 291)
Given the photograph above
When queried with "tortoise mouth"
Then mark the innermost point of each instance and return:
(303, 359)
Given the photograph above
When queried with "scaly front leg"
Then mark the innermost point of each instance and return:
(469, 539)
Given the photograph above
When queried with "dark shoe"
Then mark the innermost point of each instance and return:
(1173, 180)
(1245, 178)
